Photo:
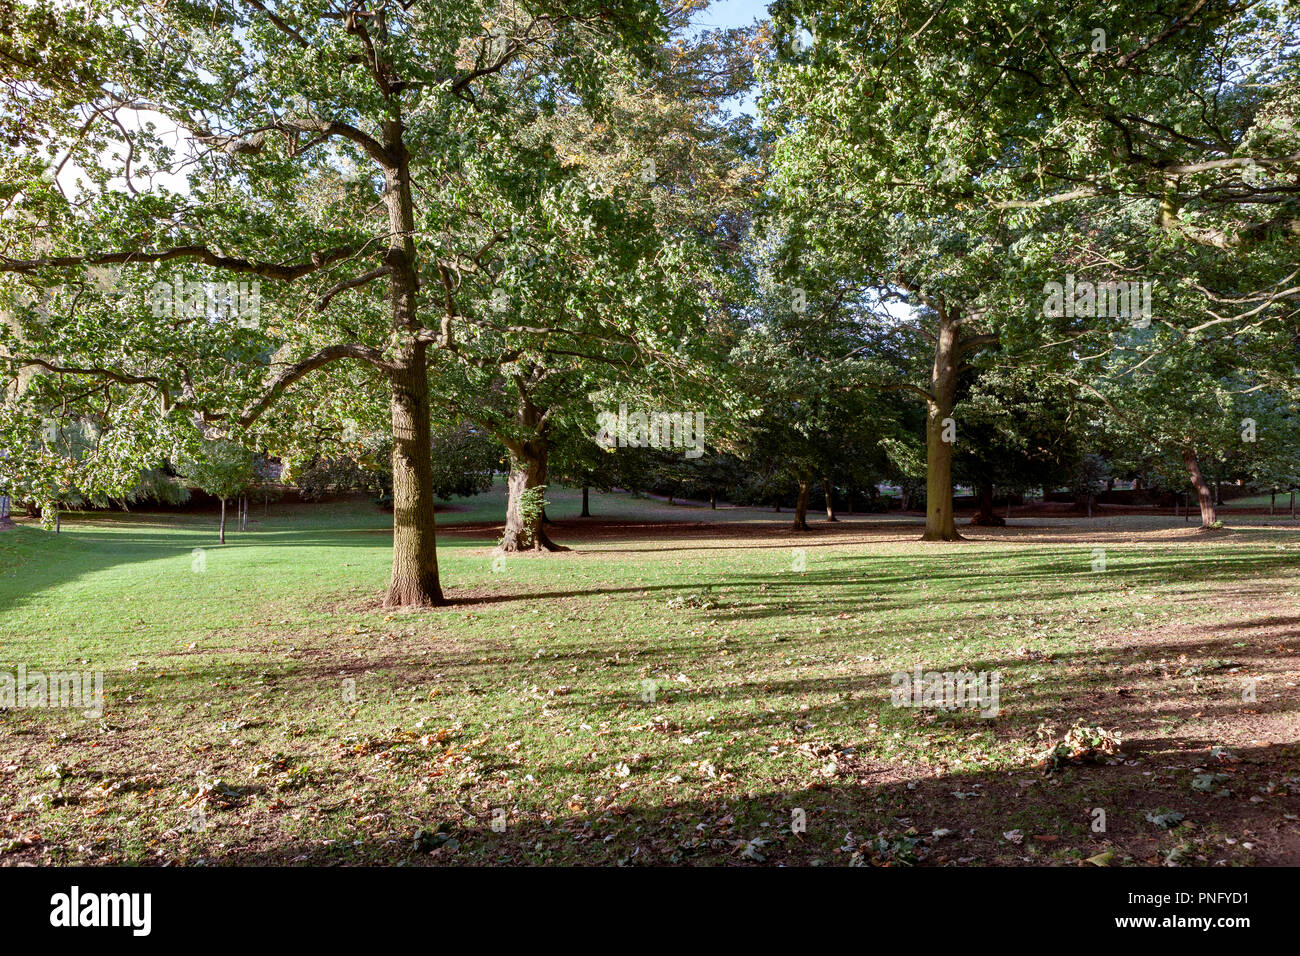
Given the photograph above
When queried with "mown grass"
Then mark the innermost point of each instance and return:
(659, 694)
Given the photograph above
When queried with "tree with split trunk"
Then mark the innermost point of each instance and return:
(365, 174)
(621, 299)
(520, 409)
(529, 447)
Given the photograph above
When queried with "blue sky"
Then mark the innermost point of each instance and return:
(731, 13)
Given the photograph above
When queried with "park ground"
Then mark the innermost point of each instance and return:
(684, 686)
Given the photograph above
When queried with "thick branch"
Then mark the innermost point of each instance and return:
(973, 343)
(290, 374)
(269, 270)
(370, 276)
(280, 24)
(909, 387)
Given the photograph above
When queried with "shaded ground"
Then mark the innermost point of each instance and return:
(310, 726)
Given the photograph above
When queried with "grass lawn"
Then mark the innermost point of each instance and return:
(669, 691)
(1282, 504)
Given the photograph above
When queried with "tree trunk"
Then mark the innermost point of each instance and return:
(1293, 505)
(801, 507)
(1204, 493)
(940, 521)
(414, 582)
(827, 490)
(223, 520)
(527, 471)
(713, 500)
(1272, 503)
(586, 505)
(985, 516)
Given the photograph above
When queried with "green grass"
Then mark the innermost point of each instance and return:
(657, 695)
(1282, 503)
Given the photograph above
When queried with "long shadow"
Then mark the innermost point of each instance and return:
(871, 807)
(32, 560)
(864, 815)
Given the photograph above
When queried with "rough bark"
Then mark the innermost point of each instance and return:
(1204, 495)
(414, 581)
(801, 506)
(586, 504)
(827, 490)
(940, 521)
(527, 471)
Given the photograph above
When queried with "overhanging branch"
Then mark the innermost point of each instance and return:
(284, 272)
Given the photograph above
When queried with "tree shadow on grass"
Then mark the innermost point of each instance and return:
(864, 798)
(861, 814)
